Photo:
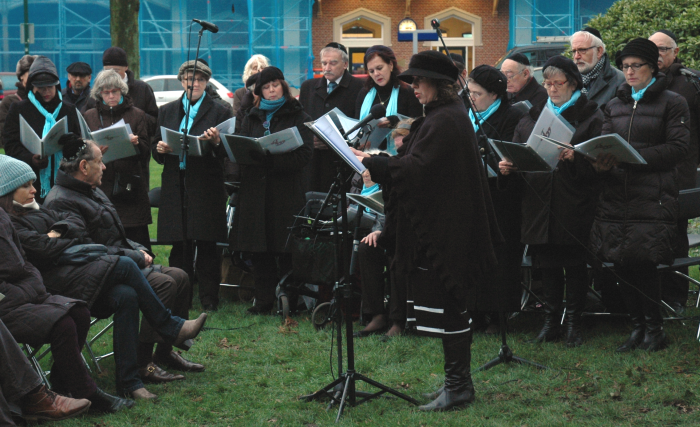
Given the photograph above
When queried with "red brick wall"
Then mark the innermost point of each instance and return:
(494, 29)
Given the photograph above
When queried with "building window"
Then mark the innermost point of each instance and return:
(461, 31)
(358, 30)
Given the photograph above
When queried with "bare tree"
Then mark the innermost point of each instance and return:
(124, 28)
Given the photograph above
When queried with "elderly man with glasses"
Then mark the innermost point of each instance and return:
(600, 79)
(684, 82)
(522, 85)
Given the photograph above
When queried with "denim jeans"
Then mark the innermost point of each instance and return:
(127, 293)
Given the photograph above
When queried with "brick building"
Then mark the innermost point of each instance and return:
(477, 29)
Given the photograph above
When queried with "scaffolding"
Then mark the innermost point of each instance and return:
(530, 19)
(78, 30)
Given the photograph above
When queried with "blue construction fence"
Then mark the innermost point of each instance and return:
(77, 30)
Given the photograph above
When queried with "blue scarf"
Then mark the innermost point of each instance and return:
(193, 113)
(574, 97)
(121, 100)
(55, 160)
(391, 110)
(271, 107)
(366, 191)
(638, 95)
(484, 115)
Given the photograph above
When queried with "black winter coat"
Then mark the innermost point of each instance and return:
(82, 102)
(407, 104)
(98, 213)
(206, 217)
(11, 138)
(533, 92)
(637, 213)
(316, 100)
(271, 193)
(680, 84)
(558, 206)
(439, 202)
(137, 211)
(28, 311)
(85, 282)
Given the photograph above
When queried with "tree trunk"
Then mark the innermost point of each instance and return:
(124, 28)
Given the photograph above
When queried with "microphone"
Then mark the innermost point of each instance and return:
(207, 25)
(686, 72)
(435, 24)
(376, 112)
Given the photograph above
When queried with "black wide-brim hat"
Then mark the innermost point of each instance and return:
(431, 64)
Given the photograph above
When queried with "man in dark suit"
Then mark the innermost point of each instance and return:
(337, 88)
(522, 85)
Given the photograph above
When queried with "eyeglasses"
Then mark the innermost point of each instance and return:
(557, 85)
(509, 74)
(582, 50)
(664, 49)
(198, 80)
(634, 67)
(105, 93)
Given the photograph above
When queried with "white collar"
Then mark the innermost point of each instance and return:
(337, 81)
(32, 205)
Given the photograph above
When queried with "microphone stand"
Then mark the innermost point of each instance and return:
(187, 243)
(505, 355)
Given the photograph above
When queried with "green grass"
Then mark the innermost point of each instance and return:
(255, 374)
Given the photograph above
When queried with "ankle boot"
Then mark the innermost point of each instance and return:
(434, 395)
(458, 389)
(636, 337)
(655, 336)
(553, 286)
(576, 291)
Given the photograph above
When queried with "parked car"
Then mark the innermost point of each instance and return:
(538, 53)
(168, 88)
(7, 83)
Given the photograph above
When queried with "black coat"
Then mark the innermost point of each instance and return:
(137, 211)
(558, 207)
(11, 138)
(206, 217)
(533, 92)
(604, 87)
(271, 193)
(28, 311)
(85, 282)
(143, 98)
(82, 101)
(98, 213)
(316, 100)
(680, 84)
(637, 213)
(407, 104)
(439, 201)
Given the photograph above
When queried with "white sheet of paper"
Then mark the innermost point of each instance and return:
(326, 130)
(85, 132)
(228, 127)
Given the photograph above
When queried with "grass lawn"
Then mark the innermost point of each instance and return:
(256, 369)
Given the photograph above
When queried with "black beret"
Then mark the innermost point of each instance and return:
(431, 64)
(567, 66)
(520, 59)
(644, 49)
(490, 79)
(593, 31)
(114, 56)
(668, 33)
(338, 46)
(79, 69)
(267, 75)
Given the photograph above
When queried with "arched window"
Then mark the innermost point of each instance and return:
(461, 31)
(358, 30)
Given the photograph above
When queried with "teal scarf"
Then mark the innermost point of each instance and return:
(638, 95)
(366, 191)
(574, 97)
(55, 160)
(271, 107)
(484, 115)
(391, 110)
(190, 119)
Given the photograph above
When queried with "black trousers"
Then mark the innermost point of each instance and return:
(208, 268)
(373, 263)
(268, 269)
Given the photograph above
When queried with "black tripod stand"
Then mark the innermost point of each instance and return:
(342, 390)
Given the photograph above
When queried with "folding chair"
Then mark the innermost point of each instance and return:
(90, 341)
(34, 356)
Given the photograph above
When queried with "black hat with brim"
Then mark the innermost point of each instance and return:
(42, 73)
(45, 80)
(431, 64)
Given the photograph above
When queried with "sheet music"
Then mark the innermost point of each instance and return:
(373, 202)
(172, 138)
(46, 146)
(85, 132)
(281, 142)
(328, 132)
(611, 143)
(228, 127)
(551, 125)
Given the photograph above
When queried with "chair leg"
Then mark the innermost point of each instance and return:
(31, 355)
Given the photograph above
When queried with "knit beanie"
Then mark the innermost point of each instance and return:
(114, 56)
(490, 79)
(643, 49)
(567, 66)
(13, 174)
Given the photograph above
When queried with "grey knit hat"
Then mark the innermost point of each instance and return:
(13, 174)
(189, 66)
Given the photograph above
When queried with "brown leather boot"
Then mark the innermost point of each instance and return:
(47, 405)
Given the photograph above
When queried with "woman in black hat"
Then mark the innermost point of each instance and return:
(384, 87)
(637, 212)
(444, 233)
(558, 206)
(496, 119)
(202, 179)
(42, 109)
(272, 191)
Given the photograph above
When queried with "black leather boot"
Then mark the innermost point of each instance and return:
(458, 389)
(637, 335)
(576, 291)
(655, 336)
(434, 395)
(104, 402)
(553, 286)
